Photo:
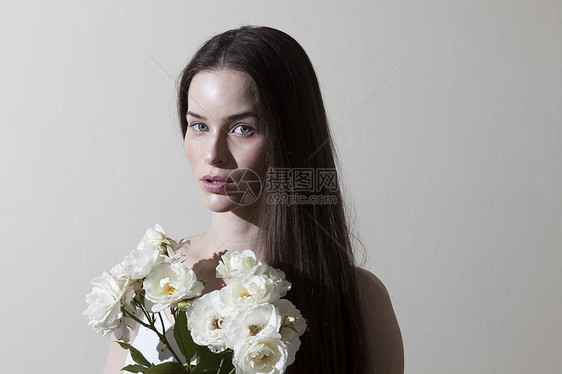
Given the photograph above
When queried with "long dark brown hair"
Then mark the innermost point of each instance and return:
(309, 242)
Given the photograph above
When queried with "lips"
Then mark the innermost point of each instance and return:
(214, 183)
(213, 178)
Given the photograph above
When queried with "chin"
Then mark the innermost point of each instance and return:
(219, 203)
(223, 204)
(220, 209)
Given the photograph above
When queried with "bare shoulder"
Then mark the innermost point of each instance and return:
(370, 285)
(383, 337)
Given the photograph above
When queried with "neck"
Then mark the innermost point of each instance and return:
(229, 231)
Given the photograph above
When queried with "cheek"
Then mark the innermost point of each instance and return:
(191, 152)
(254, 157)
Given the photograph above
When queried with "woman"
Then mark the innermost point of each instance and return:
(249, 100)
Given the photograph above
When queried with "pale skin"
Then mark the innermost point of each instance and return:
(223, 135)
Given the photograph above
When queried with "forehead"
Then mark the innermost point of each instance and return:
(221, 91)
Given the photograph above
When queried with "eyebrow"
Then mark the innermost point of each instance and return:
(232, 117)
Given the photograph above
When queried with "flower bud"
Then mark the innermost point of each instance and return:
(184, 305)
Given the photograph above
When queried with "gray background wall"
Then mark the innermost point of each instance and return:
(446, 115)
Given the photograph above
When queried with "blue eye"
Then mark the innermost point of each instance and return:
(199, 127)
(243, 129)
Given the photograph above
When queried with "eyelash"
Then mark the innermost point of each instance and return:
(196, 127)
(250, 128)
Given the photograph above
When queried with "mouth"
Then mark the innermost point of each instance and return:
(214, 183)
(215, 179)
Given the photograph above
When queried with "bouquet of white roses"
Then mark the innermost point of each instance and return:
(245, 327)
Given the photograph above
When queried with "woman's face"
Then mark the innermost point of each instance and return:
(223, 134)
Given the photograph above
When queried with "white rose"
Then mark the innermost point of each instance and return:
(292, 323)
(278, 278)
(139, 263)
(292, 327)
(261, 355)
(169, 283)
(257, 321)
(246, 290)
(155, 237)
(104, 305)
(205, 320)
(234, 263)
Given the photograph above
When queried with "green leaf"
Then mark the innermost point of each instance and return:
(123, 345)
(135, 368)
(205, 353)
(136, 355)
(167, 368)
(214, 362)
(183, 336)
(226, 365)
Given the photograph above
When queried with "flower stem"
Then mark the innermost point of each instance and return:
(175, 312)
(131, 315)
(164, 339)
(145, 312)
(162, 322)
(151, 326)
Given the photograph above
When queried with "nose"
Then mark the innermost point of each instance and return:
(217, 149)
